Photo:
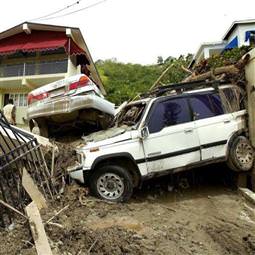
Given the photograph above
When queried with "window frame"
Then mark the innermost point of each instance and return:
(237, 91)
(207, 94)
(18, 96)
(162, 100)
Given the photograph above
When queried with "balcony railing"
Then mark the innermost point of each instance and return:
(34, 68)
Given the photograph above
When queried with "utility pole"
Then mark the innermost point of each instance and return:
(250, 89)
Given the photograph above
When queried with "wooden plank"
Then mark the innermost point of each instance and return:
(33, 190)
(248, 194)
(38, 232)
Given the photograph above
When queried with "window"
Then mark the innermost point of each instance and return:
(19, 99)
(168, 113)
(216, 104)
(206, 106)
(50, 67)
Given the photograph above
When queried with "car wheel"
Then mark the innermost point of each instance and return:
(112, 183)
(241, 155)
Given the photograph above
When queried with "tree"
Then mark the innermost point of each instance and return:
(125, 81)
(160, 60)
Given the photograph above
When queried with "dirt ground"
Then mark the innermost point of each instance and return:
(195, 213)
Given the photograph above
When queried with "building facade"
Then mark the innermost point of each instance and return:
(237, 35)
(32, 55)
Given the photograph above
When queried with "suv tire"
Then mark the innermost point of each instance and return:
(112, 183)
(241, 155)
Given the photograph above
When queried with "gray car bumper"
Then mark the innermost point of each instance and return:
(66, 105)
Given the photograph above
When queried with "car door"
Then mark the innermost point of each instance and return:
(214, 126)
(172, 141)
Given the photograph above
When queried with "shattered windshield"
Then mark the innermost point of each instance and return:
(130, 115)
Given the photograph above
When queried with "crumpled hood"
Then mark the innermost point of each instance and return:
(109, 136)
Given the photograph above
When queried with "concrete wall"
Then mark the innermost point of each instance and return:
(72, 69)
(207, 51)
(21, 112)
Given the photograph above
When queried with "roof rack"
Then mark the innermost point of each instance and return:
(182, 87)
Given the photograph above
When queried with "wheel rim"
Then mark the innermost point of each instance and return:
(110, 186)
(244, 154)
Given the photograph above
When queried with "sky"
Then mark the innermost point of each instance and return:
(135, 31)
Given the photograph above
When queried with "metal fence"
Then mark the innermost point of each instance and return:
(33, 68)
(19, 150)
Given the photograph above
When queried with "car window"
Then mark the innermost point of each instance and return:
(168, 113)
(206, 106)
(216, 103)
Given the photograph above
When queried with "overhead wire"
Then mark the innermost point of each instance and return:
(58, 11)
(72, 12)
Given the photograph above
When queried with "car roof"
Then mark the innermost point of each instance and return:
(194, 91)
(186, 93)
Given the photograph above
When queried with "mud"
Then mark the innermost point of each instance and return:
(193, 213)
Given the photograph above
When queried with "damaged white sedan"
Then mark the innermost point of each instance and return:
(72, 103)
(166, 134)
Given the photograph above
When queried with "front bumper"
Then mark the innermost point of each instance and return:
(78, 173)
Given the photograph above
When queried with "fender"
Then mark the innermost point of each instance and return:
(113, 155)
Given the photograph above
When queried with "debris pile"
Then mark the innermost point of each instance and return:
(26, 184)
(58, 159)
(228, 67)
(22, 165)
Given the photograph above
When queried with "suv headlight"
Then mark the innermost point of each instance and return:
(80, 157)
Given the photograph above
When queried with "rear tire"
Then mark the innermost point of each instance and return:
(241, 155)
(112, 183)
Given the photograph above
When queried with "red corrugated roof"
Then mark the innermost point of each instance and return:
(39, 41)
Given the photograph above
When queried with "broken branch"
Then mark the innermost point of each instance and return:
(186, 70)
(55, 224)
(230, 69)
(60, 211)
(13, 209)
(91, 247)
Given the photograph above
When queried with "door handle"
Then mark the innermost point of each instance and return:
(154, 153)
(226, 121)
(188, 130)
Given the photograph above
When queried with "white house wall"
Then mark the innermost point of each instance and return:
(239, 31)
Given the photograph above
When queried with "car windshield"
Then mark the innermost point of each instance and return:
(130, 115)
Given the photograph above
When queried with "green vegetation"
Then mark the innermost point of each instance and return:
(125, 81)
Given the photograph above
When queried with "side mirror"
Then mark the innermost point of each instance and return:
(144, 132)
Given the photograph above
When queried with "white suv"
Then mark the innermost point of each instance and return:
(166, 134)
